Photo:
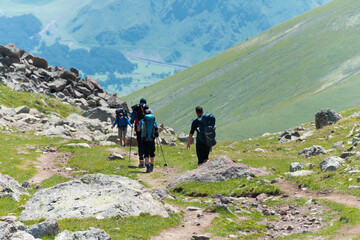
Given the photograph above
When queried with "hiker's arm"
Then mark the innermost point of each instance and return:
(189, 141)
(115, 123)
(128, 121)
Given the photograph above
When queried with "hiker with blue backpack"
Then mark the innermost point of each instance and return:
(149, 131)
(204, 125)
(121, 121)
(137, 114)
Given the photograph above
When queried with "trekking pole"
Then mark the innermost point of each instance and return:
(165, 165)
(157, 147)
(130, 143)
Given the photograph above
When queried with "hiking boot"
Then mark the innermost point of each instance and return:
(142, 165)
(151, 167)
(123, 145)
(148, 168)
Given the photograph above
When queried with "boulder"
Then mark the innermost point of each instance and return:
(68, 75)
(74, 71)
(115, 156)
(301, 173)
(115, 102)
(21, 235)
(289, 135)
(100, 113)
(11, 188)
(95, 195)
(78, 94)
(91, 234)
(84, 91)
(78, 145)
(93, 82)
(326, 117)
(10, 50)
(331, 164)
(22, 109)
(219, 169)
(312, 151)
(46, 228)
(40, 62)
(58, 85)
(338, 144)
(298, 166)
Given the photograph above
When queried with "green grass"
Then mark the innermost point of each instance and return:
(43, 103)
(275, 86)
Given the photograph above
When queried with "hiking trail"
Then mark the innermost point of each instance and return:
(293, 191)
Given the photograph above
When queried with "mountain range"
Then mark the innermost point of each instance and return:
(128, 44)
(270, 82)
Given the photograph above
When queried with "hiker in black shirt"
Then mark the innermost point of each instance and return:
(202, 149)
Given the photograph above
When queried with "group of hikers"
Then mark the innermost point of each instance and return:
(146, 128)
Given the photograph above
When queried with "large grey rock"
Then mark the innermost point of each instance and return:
(326, 117)
(91, 234)
(115, 102)
(22, 109)
(100, 113)
(297, 166)
(96, 195)
(115, 156)
(11, 188)
(331, 164)
(338, 144)
(312, 151)
(93, 82)
(21, 235)
(58, 85)
(67, 74)
(48, 227)
(10, 50)
(219, 169)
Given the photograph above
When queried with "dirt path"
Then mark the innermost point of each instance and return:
(48, 165)
(349, 231)
(193, 224)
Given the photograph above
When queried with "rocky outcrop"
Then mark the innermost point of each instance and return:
(10, 188)
(23, 71)
(326, 117)
(46, 228)
(219, 169)
(289, 135)
(312, 151)
(96, 195)
(298, 166)
(331, 164)
(91, 234)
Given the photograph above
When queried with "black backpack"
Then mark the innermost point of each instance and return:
(139, 112)
(207, 128)
(120, 111)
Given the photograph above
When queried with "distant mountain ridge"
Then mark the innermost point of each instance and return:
(275, 80)
(150, 39)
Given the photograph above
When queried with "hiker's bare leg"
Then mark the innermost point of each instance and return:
(152, 160)
(124, 140)
(146, 160)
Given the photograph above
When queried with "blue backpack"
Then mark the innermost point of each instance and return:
(149, 127)
(207, 129)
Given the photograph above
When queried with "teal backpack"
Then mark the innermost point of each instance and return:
(149, 127)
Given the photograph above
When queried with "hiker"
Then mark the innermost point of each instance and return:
(121, 122)
(204, 125)
(149, 131)
(137, 114)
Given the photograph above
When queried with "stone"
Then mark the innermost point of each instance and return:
(301, 173)
(192, 209)
(84, 91)
(91, 234)
(172, 144)
(347, 154)
(225, 200)
(77, 94)
(312, 151)
(331, 164)
(200, 237)
(162, 194)
(93, 82)
(288, 135)
(78, 145)
(115, 156)
(74, 71)
(115, 102)
(68, 75)
(94, 195)
(22, 109)
(58, 85)
(11, 188)
(298, 166)
(338, 144)
(40, 62)
(260, 150)
(25, 185)
(21, 235)
(100, 113)
(46, 228)
(325, 117)
(10, 50)
(219, 169)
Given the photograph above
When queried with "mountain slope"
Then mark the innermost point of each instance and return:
(272, 81)
(83, 34)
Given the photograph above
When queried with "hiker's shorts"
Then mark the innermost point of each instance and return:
(122, 132)
(202, 152)
(148, 148)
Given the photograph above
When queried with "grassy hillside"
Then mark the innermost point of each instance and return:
(273, 81)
